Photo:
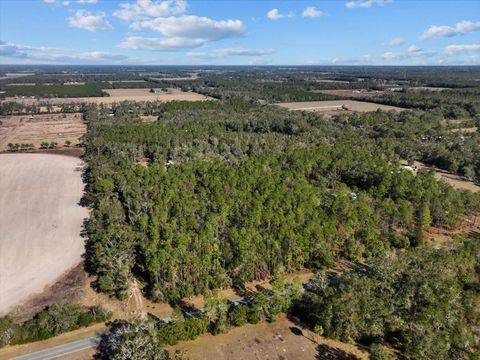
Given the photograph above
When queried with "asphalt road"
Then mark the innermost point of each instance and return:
(61, 349)
(91, 342)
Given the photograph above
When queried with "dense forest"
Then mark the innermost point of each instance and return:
(403, 300)
(215, 194)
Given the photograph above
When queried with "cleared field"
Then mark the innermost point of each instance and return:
(429, 88)
(25, 129)
(465, 130)
(334, 107)
(117, 95)
(351, 92)
(40, 223)
(455, 181)
(281, 339)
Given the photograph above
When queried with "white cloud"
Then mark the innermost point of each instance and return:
(147, 8)
(55, 2)
(389, 55)
(86, 20)
(186, 31)
(413, 49)
(100, 55)
(228, 52)
(457, 49)
(412, 52)
(159, 44)
(274, 14)
(365, 4)
(43, 54)
(311, 12)
(365, 59)
(397, 41)
(87, 1)
(460, 28)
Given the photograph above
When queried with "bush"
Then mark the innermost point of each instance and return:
(380, 352)
(53, 320)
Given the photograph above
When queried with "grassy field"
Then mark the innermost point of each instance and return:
(85, 90)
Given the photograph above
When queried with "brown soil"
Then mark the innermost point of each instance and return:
(442, 237)
(455, 181)
(281, 339)
(465, 130)
(41, 223)
(356, 93)
(68, 289)
(118, 95)
(149, 118)
(336, 107)
(25, 129)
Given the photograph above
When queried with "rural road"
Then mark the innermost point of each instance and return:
(92, 342)
(61, 349)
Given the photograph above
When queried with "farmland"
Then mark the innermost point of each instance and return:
(41, 215)
(334, 107)
(47, 91)
(118, 95)
(38, 129)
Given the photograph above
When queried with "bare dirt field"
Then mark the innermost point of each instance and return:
(281, 339)
(335, 107)
(41, 128)
(351, 92)
(40, 223)
(469, 130)
(429, 88)
(118, 95)
(455, 181)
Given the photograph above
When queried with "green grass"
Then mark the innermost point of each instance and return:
(55, 90)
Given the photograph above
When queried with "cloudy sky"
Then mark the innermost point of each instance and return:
(178, 32)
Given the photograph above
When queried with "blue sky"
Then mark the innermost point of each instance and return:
(178, 32)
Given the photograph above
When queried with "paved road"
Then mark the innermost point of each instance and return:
(61, 349)
(91, 342)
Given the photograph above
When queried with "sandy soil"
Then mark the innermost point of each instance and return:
(279, 340)
(36, 129)
(351, 92)
(469, 130)
(334, 107)
(40, 222)
(455, 181)
(428, 88)
(117, 95)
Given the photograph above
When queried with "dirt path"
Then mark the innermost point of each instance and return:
(281, 339)
(40, 222)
